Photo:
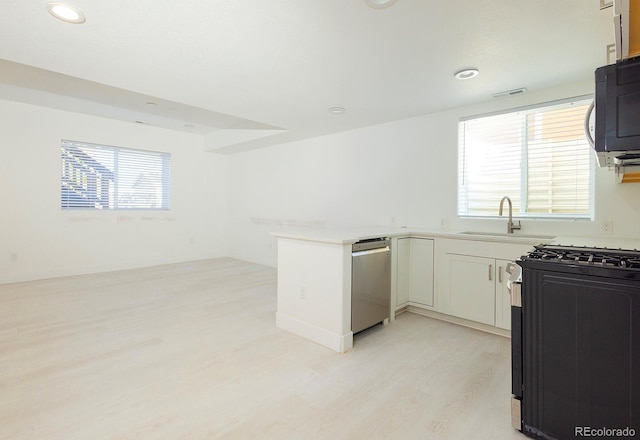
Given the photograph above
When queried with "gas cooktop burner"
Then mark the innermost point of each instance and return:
(584, 255)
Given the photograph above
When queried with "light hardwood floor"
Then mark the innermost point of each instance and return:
(191, 351)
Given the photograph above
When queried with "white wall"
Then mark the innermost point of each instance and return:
(400, 173)
(39, 240)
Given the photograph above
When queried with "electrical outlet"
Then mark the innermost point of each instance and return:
(606, 227)
(445, 224)
(303, 293)
(13, 257)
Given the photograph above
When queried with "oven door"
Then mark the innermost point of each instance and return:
(580, 327)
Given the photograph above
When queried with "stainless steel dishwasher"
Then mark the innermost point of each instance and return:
(370, 283)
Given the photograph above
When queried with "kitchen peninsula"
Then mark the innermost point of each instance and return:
(314, 276)
(314, 283)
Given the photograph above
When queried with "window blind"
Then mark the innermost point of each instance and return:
(106, 177)
(538, 157)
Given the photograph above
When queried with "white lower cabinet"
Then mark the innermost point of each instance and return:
(472, 288)
(414, 282)
(478, 289)
(461, 278)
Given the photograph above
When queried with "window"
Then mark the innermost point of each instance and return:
(539, 157)
(104, 177)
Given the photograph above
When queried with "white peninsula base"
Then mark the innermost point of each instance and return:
(314, 291)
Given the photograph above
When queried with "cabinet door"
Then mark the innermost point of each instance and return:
(403, 255)
(421, 272)
(472, 288)
(503, 299)
(414, 281)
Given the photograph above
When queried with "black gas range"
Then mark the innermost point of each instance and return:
(575, 321)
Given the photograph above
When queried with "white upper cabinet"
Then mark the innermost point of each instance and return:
(626, 25)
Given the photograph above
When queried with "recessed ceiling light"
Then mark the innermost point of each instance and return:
(66, 12)
(380, 4)
(336, 110)
(189, 126)
(466, 74)
(151, 104)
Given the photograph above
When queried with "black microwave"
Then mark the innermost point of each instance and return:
(617, 112)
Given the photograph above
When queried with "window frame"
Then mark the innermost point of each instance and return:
(87, 184)
(524, 170)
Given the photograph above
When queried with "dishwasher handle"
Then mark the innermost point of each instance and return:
(370, 251)
(370, 244)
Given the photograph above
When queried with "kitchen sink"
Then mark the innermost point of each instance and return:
(504, 234)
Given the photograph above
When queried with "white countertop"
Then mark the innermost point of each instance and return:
(340, 235)
(347, 236)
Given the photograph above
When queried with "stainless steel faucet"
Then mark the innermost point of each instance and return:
(510, 225)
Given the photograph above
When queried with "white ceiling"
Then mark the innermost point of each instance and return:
(252, 73)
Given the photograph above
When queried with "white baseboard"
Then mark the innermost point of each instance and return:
(334, 341)
(455, 320)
